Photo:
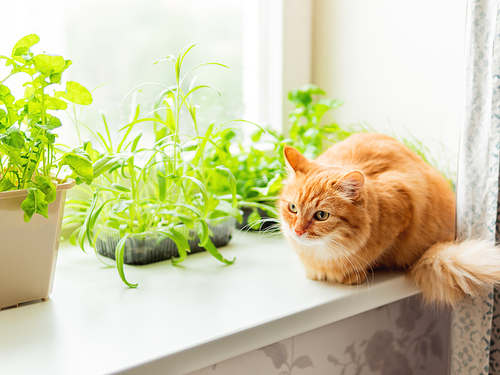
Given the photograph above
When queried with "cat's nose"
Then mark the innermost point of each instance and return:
(299, 232)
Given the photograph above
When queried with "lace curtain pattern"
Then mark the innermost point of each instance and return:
(476, 322)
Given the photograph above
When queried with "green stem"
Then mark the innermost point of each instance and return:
(151, 218)
(6, 78)
(27, 167)
(77, 124)
(176, 130)
(42, 151)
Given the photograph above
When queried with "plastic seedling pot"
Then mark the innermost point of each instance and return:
(150, 247)
(28, 251)
(268, 223)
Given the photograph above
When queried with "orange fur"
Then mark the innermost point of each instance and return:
(387, 208)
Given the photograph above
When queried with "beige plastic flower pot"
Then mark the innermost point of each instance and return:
(28, 251)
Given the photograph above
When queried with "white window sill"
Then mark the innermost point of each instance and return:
(180, 319)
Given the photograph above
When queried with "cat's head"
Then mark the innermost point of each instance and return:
(322, 204)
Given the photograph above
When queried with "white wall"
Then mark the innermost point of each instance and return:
(395, 63)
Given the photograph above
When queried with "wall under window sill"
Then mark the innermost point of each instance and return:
(180, 319)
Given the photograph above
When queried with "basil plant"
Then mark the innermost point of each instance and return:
(29, 158)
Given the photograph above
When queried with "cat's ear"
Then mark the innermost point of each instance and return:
(351, 184)
(295, 161)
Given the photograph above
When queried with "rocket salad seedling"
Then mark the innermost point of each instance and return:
(28, 156)
(143, 188)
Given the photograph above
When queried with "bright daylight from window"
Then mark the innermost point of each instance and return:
(112, 52)
(172, 117)
(273, 166)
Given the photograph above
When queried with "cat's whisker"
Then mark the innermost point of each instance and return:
(351, 256)
(264, 234)
(354, 254)
(372, 271)
(343, 265)
(348, 256)
(244, 229)
(260, 222)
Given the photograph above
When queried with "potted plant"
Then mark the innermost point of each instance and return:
(32, 189)
(257, 171)
(150, 200)
(259, 166)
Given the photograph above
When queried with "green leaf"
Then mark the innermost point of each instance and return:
(214, 202)
(55, 78)
(54, 103)
(204, 193)
(300, 98)
(180, 241)
(210, 247)
(186, 220)
(272, 187)
(13, 137)
(77, 94)
(49, 64)
(311, 133)
(45, 184)
(162, 185)
(22, 47)
(34, 203)
(196, 89)
(232, 184)
(119, 253)
(203, 233)
(200, 65)
(120, 187)
(331, 103)
(135, 142)
(228, 134)
(105, 163)
(73, 236)
(270, 210)
(85, 229)
(5, 96)
(94, 215)
(79, 162)
(256, 135)
(227, 208)
(7, 185)
(312, 89)
(87, 147)
(254, 220)
(122, 228)
(51, 122)
(122, 205)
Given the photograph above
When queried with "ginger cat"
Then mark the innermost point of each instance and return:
(370, 202)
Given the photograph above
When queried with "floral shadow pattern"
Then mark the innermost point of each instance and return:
(401, 338)
(279, 354)
(394, 352)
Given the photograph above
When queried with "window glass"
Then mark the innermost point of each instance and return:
(114, 43)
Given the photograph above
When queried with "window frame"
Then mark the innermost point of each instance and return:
(277, 55)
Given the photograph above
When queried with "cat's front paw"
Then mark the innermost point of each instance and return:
(354, 278)
(324, 275)
(315, 275)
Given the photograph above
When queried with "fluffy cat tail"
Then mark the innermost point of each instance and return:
(448, 271)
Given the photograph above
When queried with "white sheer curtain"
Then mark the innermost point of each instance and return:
(476, 322)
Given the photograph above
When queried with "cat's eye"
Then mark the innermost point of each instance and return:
(292, 208)
(321, 215)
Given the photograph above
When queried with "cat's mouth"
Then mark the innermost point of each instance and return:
(305, 238)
